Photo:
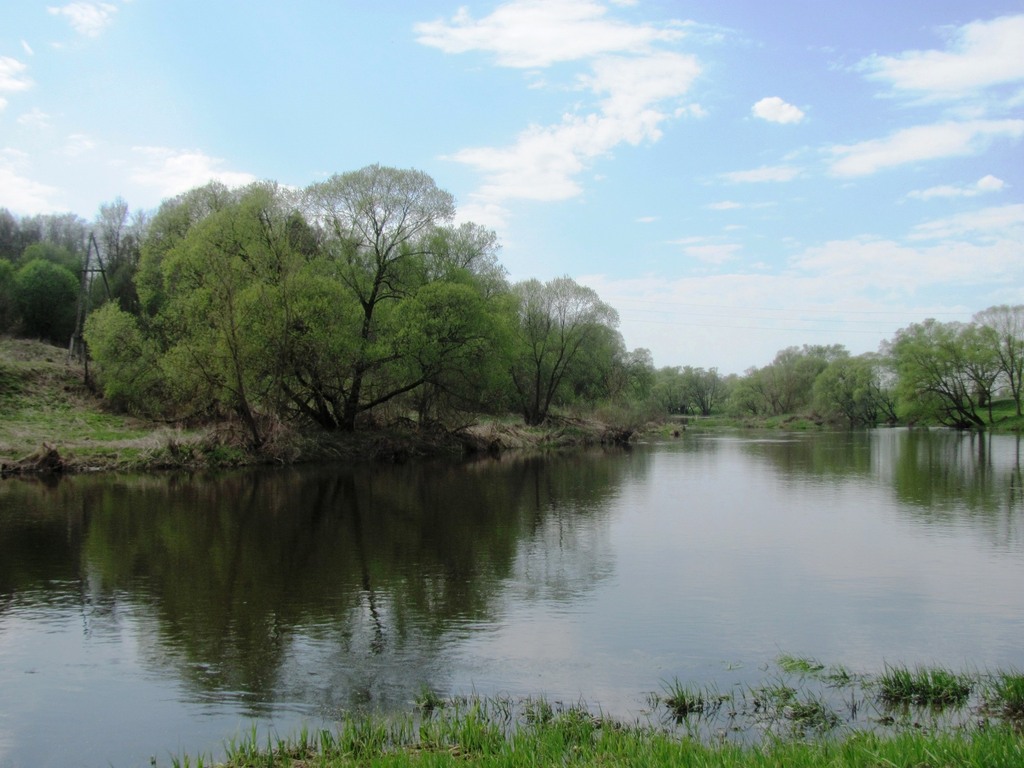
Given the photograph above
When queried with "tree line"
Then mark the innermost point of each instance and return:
(358, 300)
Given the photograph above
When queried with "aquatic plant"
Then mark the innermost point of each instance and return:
(811, 713)
(573, 737)
(799, 664)
(1005, 695)
(428, 700)
(934, 687)
(681, 700)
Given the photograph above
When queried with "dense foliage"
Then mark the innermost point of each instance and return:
(358, 300)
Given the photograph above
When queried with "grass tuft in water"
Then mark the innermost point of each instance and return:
(682, 700)
(1005, 696)
(802, 665)
(428, 701)
(934, 687)
(811, 714)
(838, 676)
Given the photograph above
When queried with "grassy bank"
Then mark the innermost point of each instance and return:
(50, 421)
(574, 740)
(803, 713)
(925, 717)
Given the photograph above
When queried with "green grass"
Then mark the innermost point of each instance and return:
(934, 687)
(799, 664)
(44, 402)
(474, 737)
(1005, 696)
(1004, 416)
(681, 700)
(805, 715)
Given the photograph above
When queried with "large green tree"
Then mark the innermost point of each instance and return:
(119, 235)
(786, 385)
(556, 325)
(1005, 326)
(378, 224)
(945, 372)
(170, 225)
(226, 311)
(853, 388)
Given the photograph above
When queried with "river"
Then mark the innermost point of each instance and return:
(151, 616)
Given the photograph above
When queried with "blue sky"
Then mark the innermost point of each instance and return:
(733, 177)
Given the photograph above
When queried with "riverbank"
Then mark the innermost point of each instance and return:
(51, 422)
(804, 715)
(574, 740)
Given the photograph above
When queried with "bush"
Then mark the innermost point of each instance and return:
(46, 295)
(128, 372)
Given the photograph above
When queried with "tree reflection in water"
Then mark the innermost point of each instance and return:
(331, 588)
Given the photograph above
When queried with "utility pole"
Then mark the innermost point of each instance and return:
(76, 347)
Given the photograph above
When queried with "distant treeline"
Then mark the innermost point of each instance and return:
(358, 301)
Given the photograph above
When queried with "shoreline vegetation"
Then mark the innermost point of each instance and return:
(803, 713)
(51, 422)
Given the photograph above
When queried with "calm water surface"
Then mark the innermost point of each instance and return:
(160, 615)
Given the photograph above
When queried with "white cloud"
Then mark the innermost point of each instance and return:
(634, 87)
(989, 183)
(538, 33)
(484, 213)
(27, 48)
(19, 193)
(985, 184)
(857, 291)
(12, 75)
(763, 174)
(714, 253)
(775, 110)
(1000, 223)
(35, 119)
(922, 142)
(646, 219)
(78, 144)
(724, 205)
(691, 110)
(973, 248)
(869, 264)
(733, 320)
(544, 161)
(982, 54)
(88, 19)
(171, 172)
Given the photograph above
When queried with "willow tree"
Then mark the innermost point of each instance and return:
(557, 323)
(225, 316)
(1005, 328)
(378, 223)
(946, 371)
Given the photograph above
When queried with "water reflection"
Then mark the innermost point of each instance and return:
(339, 584)
(172, 604)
